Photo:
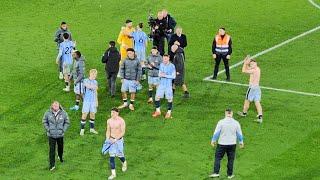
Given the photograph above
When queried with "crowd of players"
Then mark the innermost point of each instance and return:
(163, 71)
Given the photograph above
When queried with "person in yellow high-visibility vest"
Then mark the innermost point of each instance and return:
(125, 39)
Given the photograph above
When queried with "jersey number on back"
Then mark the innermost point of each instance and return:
(68, 50)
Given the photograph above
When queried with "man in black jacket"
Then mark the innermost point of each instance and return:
(178, 39)
(171, 24)
(178, 62)
(111, 58)
(56, 122)
(159, 33)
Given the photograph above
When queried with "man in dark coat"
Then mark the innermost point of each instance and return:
(111, 58)
(178, 61)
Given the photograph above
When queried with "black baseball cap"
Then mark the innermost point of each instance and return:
(128, 21)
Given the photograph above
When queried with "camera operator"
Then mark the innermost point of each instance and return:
(171, 24)
(159, 32)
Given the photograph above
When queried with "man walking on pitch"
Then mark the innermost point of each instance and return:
(78, 76)
(130, 73)
(116, 128)
(227, 132)
(167, 73)
(65, 54)
(90, 101)
(55, 122)
(58, 38)
(111, 58)
(221, 49)
(250, 67)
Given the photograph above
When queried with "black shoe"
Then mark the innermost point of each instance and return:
(214, 78)
(186, 95)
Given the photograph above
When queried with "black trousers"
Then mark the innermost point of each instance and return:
(226, 65)
(52, 149)
(220, 151)
(112, 78)
(159, 42)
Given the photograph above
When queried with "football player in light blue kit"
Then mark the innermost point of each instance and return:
(65, 53)
(140, 39)
(167, 73)
(90, 101)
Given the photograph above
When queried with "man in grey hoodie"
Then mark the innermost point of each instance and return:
(56, 122)
(78, 72)
(130, 73)
(153, 65)
(58, 38)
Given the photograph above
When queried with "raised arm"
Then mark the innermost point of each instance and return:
(245, 67)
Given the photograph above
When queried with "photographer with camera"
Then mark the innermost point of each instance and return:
(158, 31)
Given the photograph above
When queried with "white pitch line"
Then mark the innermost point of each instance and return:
(314, 4)
(281, 44)
(274, 47)
(263, 87)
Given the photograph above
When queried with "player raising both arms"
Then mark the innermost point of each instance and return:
(254, 93)
(90, 101)
(65, 53)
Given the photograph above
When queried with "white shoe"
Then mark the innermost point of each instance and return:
(52, 168)
(81, 132)
(214, 175)
(60, 76)
(113, 176)
(131, 107)
(93, 131)
(124, 166)
(123, 106)
(150, 100)
(258, 121)
(67, 89)
(230, 177)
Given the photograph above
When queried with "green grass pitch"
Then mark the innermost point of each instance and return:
(285, 146)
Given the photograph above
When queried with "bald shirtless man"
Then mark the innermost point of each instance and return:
(116, 128)
(254, 93)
